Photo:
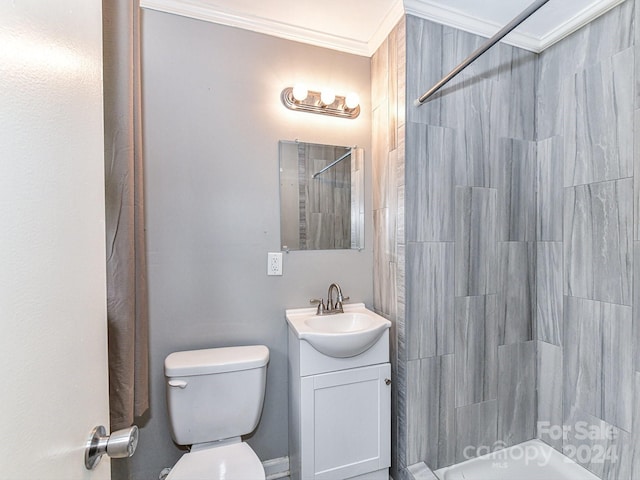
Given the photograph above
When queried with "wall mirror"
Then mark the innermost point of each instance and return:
(321, 196)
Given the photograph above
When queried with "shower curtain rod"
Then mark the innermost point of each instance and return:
(530, 10)
(332, 164)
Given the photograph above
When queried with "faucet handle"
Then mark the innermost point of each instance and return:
(320, 303)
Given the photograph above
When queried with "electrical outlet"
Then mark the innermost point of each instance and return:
(274, 263)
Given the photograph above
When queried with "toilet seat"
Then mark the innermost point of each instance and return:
(230, 462)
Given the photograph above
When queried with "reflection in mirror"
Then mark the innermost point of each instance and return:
(321, 196)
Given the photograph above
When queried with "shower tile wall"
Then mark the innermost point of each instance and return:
(470, 223)
(465, 356)
(586, 96)
(519, 225)
(388, 123)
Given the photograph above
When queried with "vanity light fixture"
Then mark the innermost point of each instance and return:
(325, 102)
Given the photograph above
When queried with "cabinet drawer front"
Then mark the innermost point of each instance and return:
(346, 422)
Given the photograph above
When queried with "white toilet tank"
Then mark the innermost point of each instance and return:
(216, 393)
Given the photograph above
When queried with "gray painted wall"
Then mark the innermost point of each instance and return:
(212, 121)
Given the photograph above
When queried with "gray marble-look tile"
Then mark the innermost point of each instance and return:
(636, 170)
(476, 349)
(430, 187)
(598, 446)
(401, 389)
(401, 296)
(550, 81)
(608, 35)
(635, 447)
(475, 241)
(423, 68)
(516, 287)
(382, 261)
(429, 295)
(380, 156)
(549, 298)
(617, 365)
(476, 429)
(458, 44)
(392, 294)
(469, 104)
(549, 190)
(431, 412)
(598, 122)
(401, 74)
(636, 66)
(516, 393)
(380, 75)
(582, 362)
(599, 40)
(515, 179)
(402, 157)
(598, 361)
(473, 108)
(392, 93)
(392, 200)
(549, 385)
(517, 91)
(598, 238)
(400, 216)
(636, 308)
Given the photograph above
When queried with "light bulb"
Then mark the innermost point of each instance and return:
(352, 100)
(300, 92)
(328, 96)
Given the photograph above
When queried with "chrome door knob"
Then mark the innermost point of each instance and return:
(119, 444)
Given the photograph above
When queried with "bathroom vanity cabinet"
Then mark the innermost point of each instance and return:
(339, 413)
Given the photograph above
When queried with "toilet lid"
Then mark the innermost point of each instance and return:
(230, 462)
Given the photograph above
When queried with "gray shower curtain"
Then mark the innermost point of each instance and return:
(127, 306)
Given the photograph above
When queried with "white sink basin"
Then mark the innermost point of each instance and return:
(341, 334)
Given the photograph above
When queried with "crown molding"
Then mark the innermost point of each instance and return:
(426, 9)
(578, 21)
(462, 21)
(200, 10)
(391, 19)
(454, 18)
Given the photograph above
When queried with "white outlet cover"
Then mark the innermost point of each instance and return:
(274, 263)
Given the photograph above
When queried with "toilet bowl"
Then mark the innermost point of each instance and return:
(230, 462)
(213, 397)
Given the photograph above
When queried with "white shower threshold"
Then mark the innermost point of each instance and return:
(531, 460)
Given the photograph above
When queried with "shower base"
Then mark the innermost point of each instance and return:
(531, 460)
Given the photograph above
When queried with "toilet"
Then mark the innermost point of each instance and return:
(214, 396)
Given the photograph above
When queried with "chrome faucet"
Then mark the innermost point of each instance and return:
(339, 298)
(331, 307)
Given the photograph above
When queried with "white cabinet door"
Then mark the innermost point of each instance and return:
(346, 423)
(53, 345)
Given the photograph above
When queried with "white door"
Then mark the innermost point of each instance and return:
(53, 344)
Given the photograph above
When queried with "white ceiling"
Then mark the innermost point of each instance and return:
(359, 26)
